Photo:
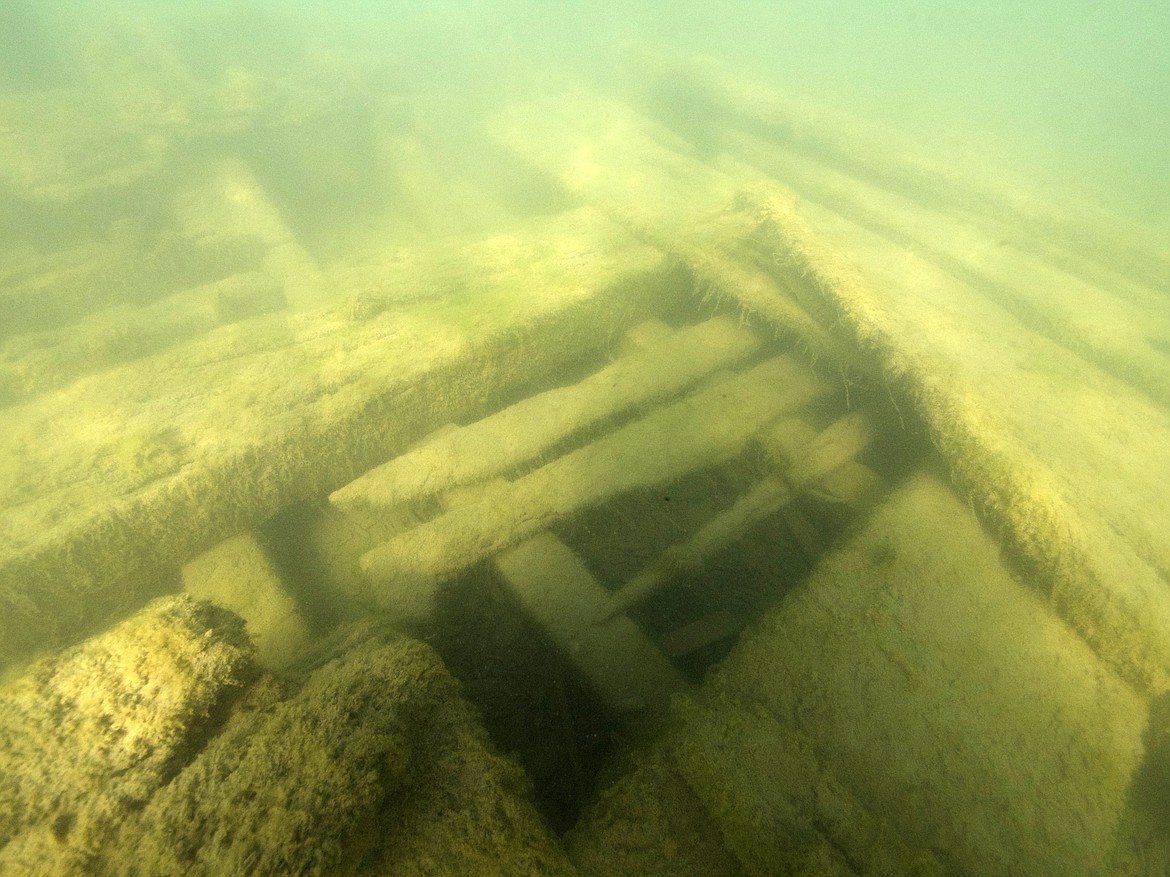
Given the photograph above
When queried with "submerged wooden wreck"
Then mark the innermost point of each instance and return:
(703, 484)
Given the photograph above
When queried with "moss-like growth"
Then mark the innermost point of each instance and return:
(370, 762)
(911, 680)
(650, 824)
(144, 455)
(88, 736)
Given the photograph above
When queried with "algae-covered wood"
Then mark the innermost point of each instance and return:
(912, 660)
(1039, 367)
(893, 410)
(123, 475)
(154, 749)
(707, 427)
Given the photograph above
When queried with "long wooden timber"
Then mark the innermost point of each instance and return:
(910, 701)
(967, 181)
(708, 427)
(513, 437)
(113, 482)
(950, 700)
(1051, 416)
(809, 462)
(622, 664)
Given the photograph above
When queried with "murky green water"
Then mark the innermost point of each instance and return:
(663, 438)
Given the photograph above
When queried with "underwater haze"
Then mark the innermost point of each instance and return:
(584, 438)
(1077, 91)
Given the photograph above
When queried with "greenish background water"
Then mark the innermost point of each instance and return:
(1076, 92)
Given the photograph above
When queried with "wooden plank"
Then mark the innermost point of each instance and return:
(823, 461)
(237, 575)
(908, 642)
(522, 432)
(641, 175)
(1030, 397)
(110, 484)
(706, 428)
(561, 595)
(765, 497)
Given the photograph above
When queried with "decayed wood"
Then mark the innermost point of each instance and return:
(821, 456)
(232, 198)
(823, 462)
(766, 497)
(642, 176)
(1102, 314)
(559, 593)
(704, 429)
(1052, 419)
(40, 361)
(90, 734)
(1064, 458)
(1062, 227)
(910, 640)
(521, 432)
(113, 482)
(237, 575)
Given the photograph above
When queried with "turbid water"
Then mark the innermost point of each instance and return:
(582, 438)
